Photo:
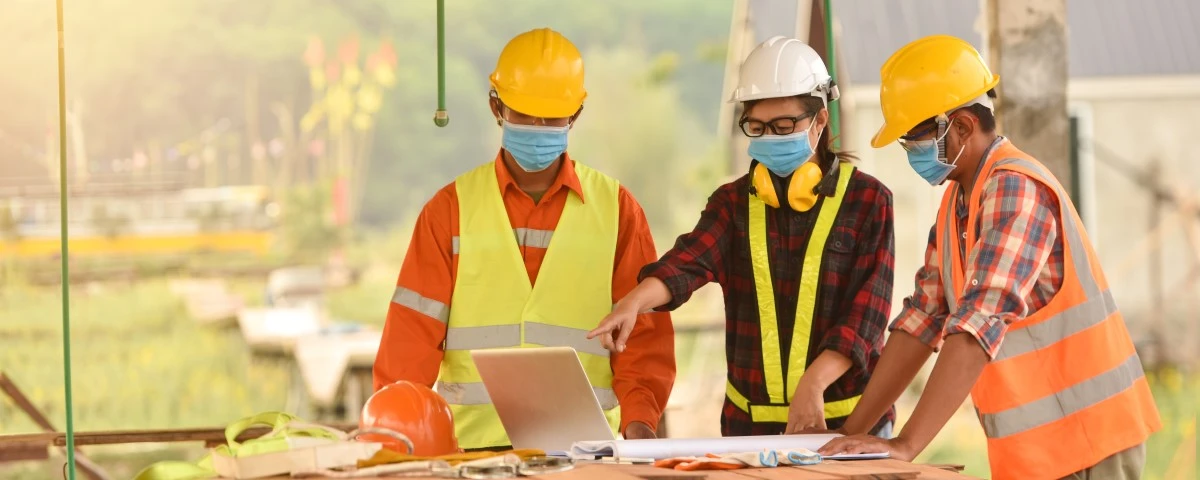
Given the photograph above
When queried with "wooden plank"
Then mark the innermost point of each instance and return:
(44, 440)
(212, 435)
(864, 470)
(927, 471)
(89, 468)
(848, 470)
(945, 466)
(20, 453)
(650, 472)
(788, 473)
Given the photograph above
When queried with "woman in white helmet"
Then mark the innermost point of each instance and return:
(802, 247)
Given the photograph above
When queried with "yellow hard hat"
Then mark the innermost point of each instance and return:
(540, 73)
(926, 78)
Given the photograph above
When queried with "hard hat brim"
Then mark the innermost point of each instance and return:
(891, 131)
(887, 134)
(540, 106)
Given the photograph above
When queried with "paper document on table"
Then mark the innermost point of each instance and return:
(685, 447)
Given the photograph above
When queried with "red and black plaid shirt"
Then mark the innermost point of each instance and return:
(854, 293)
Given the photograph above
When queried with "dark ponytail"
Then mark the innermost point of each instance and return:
(824, 149)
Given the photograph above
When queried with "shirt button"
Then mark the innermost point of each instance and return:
(974, 283)
(964, 235)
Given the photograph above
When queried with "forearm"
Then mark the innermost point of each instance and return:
(826, 369)
(645, 372)
(409, 349)
(902, 358)
(957, 368)
(651, 293)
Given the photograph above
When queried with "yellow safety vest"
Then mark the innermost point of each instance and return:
(496, 307)
(776, 411)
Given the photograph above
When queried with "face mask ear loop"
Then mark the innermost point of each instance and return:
(827, 187)
(943, 127)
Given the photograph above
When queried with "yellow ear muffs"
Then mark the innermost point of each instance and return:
(764, 186)
(801, 189)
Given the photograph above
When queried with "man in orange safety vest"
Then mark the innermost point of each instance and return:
(1011, 291)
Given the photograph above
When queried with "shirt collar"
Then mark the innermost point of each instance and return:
(566, 177)
(962, 194)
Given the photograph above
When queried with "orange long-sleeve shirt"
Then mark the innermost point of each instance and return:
(411, 348)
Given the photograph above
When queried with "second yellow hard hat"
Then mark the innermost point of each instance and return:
(928, 77)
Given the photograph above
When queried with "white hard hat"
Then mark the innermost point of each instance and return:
(783, 67)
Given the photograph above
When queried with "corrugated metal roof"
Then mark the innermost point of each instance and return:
(1105, 37)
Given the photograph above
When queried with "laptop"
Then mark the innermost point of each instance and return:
(543, 397)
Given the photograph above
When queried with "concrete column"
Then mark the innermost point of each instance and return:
(1027, 47)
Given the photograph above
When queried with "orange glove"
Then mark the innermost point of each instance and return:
(734, 461)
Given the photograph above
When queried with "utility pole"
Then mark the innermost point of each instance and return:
(1027, 47)
(741, 41)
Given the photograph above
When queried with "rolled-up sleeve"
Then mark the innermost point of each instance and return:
(1018, 226)
(865, 316)
(644, 374)
(924, 313)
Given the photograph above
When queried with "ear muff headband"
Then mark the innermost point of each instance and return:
(800, 190)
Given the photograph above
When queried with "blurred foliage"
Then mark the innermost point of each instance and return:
(8, 224)
(144, 77)
(307, 223)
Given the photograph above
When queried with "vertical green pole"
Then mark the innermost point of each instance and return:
(62, 205)
(441, 117)
(834, 108)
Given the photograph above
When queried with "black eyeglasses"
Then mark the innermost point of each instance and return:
(778, 126)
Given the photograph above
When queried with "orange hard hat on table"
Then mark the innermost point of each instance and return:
(412, 410)
(540, 74)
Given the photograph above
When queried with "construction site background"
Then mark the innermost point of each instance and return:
(244, 177)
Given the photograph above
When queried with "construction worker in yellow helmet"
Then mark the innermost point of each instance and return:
(527, 250)
(1011, 292)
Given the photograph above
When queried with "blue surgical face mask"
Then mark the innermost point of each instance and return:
(534, 147)
(923, 158)
(781, 154)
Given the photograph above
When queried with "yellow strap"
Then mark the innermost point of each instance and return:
(806, 301)
(277, 440)
(387, 457)
(810, 277)
(779, 413)
(767, 323)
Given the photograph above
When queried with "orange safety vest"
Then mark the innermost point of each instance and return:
(1066, 389)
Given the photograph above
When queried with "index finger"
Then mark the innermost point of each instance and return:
(605, 326)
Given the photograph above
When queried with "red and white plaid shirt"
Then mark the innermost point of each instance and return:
(1019, 250)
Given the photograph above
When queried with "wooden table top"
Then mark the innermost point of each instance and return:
(885, 469)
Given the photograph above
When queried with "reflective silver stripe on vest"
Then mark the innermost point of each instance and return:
(526, 237)
(557, 336)
(476, 394)
(1079, 257)
(1066, 402)
(529, 237)
(423, 305)
(476, 338)
(1094, 311)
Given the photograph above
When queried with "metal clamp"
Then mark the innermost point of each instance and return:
(545, 465)
(484, 472)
